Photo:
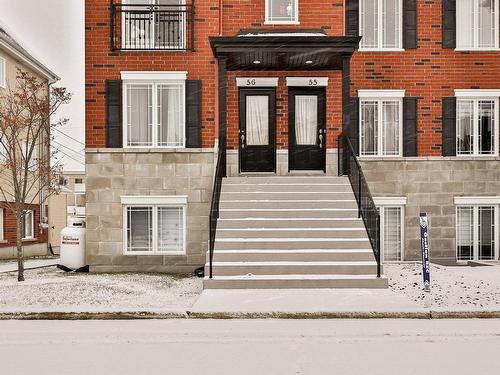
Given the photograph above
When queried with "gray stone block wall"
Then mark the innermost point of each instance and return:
(430, 185)
(111, 173)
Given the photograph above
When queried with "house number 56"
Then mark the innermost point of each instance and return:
(251, 82)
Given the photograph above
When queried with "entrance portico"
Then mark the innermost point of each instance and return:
(283, 99)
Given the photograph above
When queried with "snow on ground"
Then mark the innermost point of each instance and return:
(452, 288)
(49, 289)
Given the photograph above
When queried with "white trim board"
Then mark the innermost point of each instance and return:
(153, 199)
(381, 93)
(307, 81)
(477, 93)
(256, 82)
(487, 200)
(153, 76)
(390, 201)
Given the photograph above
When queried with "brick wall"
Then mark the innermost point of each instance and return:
(10, 227)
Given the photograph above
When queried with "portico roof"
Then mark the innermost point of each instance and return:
(283, 50)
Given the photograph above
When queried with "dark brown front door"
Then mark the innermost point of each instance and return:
(257, 133)
(307, 129)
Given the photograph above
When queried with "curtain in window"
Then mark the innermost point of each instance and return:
(140, 229)
(137, 25)
(486, 141)
(170, 115)
(465, 127)
(369, 23)
(486, 243)
(257, 120)
(392, 234)
(465, 20)
(281, 10)
(169, 25)
(465, 233)
(486, 29)
(139, 107)
(306, 119)
(390, 129)
(369, 127)
(390, 23)
(170, 229)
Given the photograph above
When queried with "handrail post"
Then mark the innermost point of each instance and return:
(359, 194)
(379, 255)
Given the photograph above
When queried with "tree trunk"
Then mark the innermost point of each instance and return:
(19, 245)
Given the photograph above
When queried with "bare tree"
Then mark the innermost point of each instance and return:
(26, 173)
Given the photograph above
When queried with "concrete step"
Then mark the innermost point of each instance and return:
(359, 232)
(293, 268)
(286, 188)
(295, 281)
(286, 180)
(295, 204)
(310, 255)
(290, 223)
(287, 213)
(290, 244)
(308, 196)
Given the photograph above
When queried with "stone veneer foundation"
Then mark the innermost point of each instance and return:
(112, 173)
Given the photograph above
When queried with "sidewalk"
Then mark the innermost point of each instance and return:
(29, 264)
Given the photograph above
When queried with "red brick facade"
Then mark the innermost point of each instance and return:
(10, 227)
(428, 72)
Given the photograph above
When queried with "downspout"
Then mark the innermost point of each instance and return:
(42, 203)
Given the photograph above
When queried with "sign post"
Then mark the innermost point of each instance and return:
(424, 246)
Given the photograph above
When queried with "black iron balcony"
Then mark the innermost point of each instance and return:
(156, 26)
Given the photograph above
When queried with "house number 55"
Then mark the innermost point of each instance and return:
(313, 82)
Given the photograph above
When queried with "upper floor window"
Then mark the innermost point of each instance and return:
(477, 131)
(154, 110)
(381, 122)
(477, 24)
(381, 24)
(282, 11)
(3, 73)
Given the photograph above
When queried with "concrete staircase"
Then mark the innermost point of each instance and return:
(291, 232)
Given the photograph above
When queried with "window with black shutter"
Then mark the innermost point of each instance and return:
(114, 113)
(410, 24)
(410, 132)
(352, 17)
(193, 113)
(449, 17)
(449, 126)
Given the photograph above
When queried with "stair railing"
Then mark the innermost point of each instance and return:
(348, 165)
(220, 173)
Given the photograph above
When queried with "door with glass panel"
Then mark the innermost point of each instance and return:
(257, 131)
(306, 129)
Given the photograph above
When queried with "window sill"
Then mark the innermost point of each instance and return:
(381, 49)
(496, 49)
(29, 240)
(428, 158)
(143, 150)
(3, 242)
(281, 23)
(151, 253)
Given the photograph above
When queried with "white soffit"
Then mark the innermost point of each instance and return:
(307, 81)
(256, 82)
(152, 199)
(153, 76)
(477, 93)
(478, 200)
(381, 93)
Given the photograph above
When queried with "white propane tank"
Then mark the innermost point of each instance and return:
(73, 244)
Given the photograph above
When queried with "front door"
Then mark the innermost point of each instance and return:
(307, 129)
(257, 131)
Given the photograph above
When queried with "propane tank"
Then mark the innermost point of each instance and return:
(73, 244)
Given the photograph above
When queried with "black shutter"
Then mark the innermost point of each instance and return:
(352, 18)
(410, 24)
(410, 134)
(353, 129)
(193, 114)
(449, 126)
(114, 114)
(449, 14)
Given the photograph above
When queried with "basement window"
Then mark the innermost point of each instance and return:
(477, 24)
(282, 12)
(391, 210)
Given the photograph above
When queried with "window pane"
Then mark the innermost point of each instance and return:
(170, 229)
(139, 229)
(465, 144)
(486, 124)
(137, 25)
(486, 245)
(486, 25)
(465, 21)
(170, 25)
(257, 126)
(390, 23)
(139, 115)
(170, 115)
(465, 233)
(282, 10)
(392, 234)
(306, 119)
(28, 224)
(390, 128)
(369, 127)
(369, 23)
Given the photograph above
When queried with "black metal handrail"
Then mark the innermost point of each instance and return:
(220, 173)
(152, 27)
(348, 165)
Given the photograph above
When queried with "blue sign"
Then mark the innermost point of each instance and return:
(424, 246)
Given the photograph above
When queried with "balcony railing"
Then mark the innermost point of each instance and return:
(152, 27)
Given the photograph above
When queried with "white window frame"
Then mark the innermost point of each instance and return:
(476, 96)
(475, 30)
(155, 79)
(475, 203)
(31, 236)
(3, 72)
(380, 29)
(391, 202)
(155, 202)
(381, 96)
(294, 21)
(1, 225)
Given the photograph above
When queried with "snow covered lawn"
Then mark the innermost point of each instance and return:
(49, 289)
(452, 288)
